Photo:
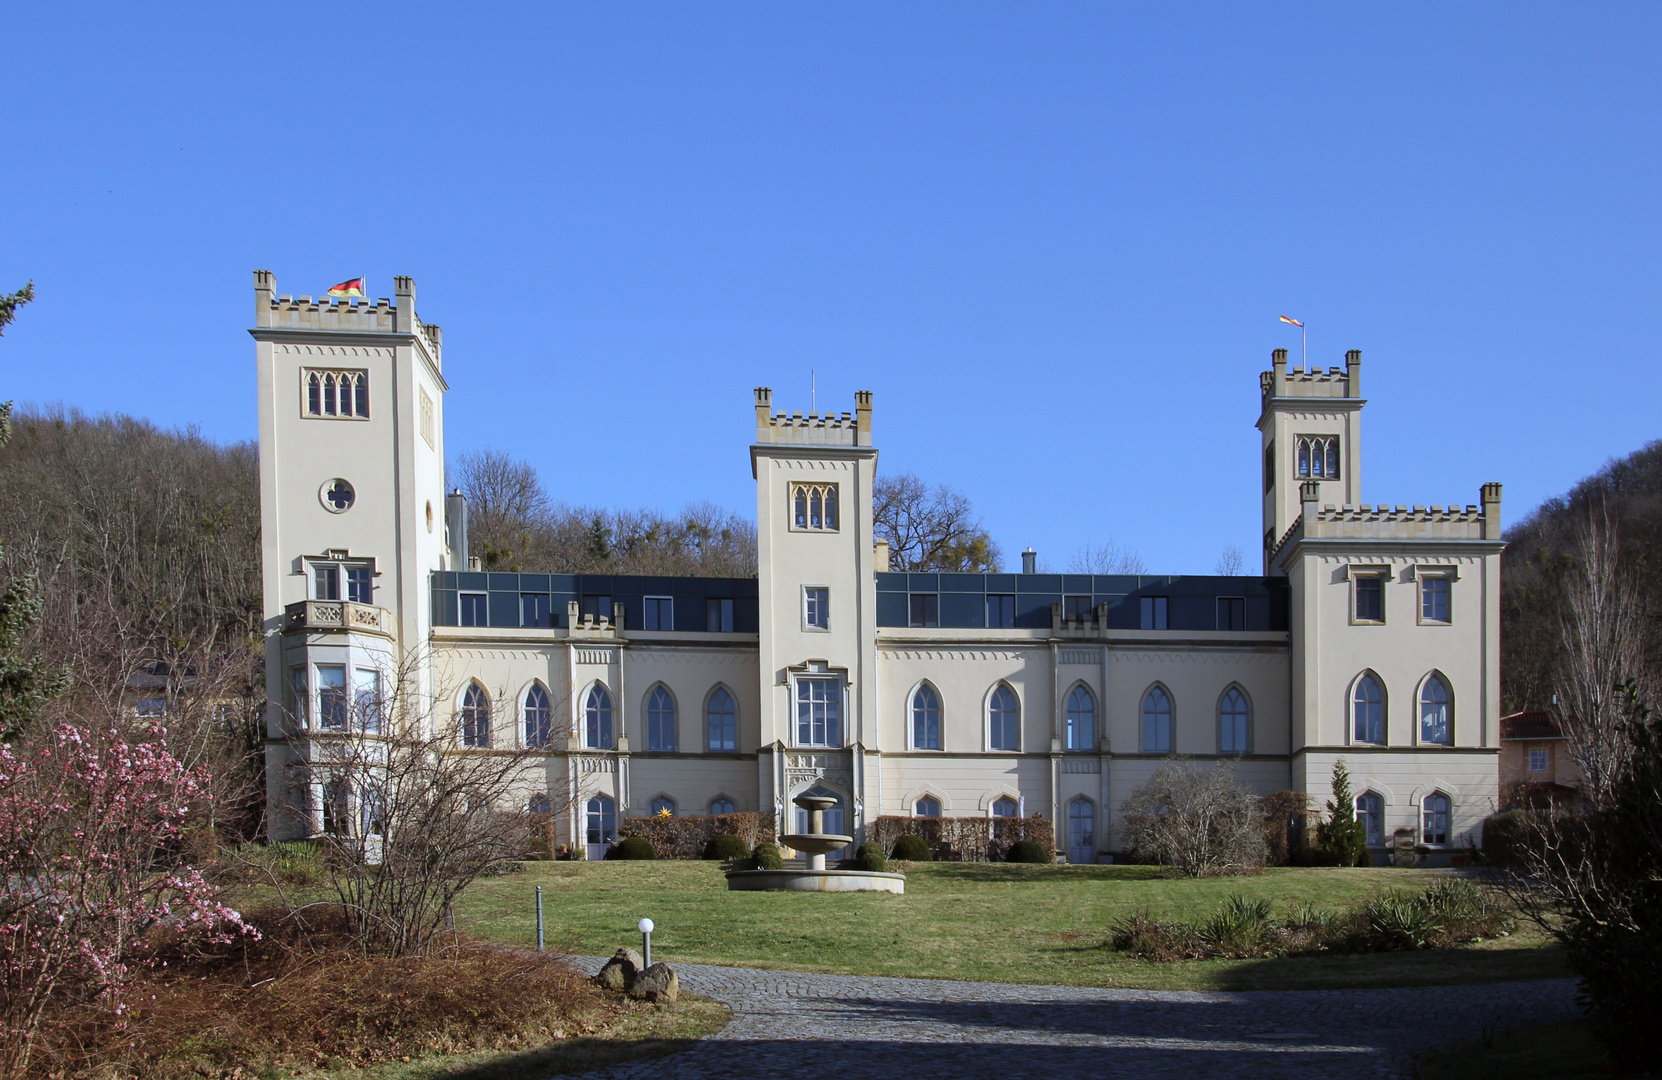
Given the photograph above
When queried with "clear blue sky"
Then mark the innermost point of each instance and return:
(1053, 239)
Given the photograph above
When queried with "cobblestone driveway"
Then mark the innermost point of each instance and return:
(847, 1027)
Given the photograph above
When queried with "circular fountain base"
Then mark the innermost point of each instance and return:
(793, 880)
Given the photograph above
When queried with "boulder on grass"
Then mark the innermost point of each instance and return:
(621, 971)
(656, 983)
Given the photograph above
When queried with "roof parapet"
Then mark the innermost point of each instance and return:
(324, 314)
(813, 429)
(1384, 521)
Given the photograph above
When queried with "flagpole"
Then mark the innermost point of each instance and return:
(1304, 332)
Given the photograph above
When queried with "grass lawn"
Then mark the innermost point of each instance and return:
(1554, 1052)
(980, 921)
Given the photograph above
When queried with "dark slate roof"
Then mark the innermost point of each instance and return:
(1529, 725)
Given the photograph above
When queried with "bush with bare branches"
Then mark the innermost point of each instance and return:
(1201, 822)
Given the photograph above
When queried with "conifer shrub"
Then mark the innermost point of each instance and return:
(725, 846)
(766, 857)
(869, 856)
(911, 849)
(1341, 839)
(1028, 851)
(632, 847)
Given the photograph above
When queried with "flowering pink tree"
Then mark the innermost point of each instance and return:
(91, 823)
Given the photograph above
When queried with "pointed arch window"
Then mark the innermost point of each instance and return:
(601, 812)
(928, 806)
(1436, 712)
(539, 804)
(1368, 711)
(1003, 719)
(1435, 825)
(1081, 719)
(721, 806)
(539, 717)
(1370, 811)
(1157, 721)
(1234, 722)
(814, 507)
(597, 719)
(721, 721)
(660, 720)
(336, 395)
(926, 719)
(1318, 457)
(1004, 806)
(663, 806)
(476, 717)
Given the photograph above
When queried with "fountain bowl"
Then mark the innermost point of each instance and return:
(792, 880)
(816, 843)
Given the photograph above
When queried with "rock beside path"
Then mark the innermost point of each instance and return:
(621, 971)
(657, 983)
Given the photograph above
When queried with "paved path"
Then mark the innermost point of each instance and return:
(850, 1027)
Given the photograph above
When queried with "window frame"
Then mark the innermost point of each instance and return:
(1446, 581)
(474, 706)
(541, 605)
(819, 727)
(821, 506)
(473, 602)
(1384, 703)
(1011, 716)
(1529, 759)
(925, 743)
(1445, 812)
(660, 803)
(526, 711)
(1070, 734)
(598, 809)
(1170, 714)
(653, 609)
(718, 610)
(720, 801)
(332, 700)
(1377, 814)
(1006, 602)
(599, 723)
(816, 599)
(1071, 609)
(922, 619)
(917, 805)
(1377, 575)
(342, 393)
(1235, 689)
(367, 700)
(709, 703)
(325, 571)
(1226, 621)
(653, 713)
(1447, 704)
(1154, 613)
(1012, 801)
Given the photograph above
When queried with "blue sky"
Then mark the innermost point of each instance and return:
(1053, 239)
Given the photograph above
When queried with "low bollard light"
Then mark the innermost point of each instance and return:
(645, 926)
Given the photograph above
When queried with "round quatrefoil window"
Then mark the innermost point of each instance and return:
(337, 496)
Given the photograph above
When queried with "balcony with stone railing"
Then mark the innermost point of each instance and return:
(341, 615)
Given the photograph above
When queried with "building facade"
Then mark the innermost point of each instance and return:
(1371, 634)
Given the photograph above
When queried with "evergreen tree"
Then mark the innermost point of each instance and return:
(1342, 838)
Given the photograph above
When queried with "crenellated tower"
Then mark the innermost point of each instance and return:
(1310, 427)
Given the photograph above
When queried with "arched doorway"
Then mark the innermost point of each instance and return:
(1081, 831)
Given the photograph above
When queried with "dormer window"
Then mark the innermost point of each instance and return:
(336, 395)
(814, 507)
(1318, 457)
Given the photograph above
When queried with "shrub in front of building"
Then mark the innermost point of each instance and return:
(910, 848)
(963, 839)
(684, 836)
(765, 856)
(1028, 851)
(725, 847)
(869, 857)
(632, 847)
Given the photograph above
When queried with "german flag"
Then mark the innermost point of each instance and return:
(351, 287)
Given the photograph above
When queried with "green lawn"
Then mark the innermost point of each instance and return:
(981, 921)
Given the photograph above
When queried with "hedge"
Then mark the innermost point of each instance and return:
(685, 836)
(963, 839)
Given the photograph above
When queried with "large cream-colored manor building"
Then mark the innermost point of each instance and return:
(1372, 633)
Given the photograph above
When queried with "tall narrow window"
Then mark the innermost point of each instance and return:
(1157, 718)
(1368, 711)
(1435, 713)
(1435, 830)
(299, 693)
(1233, 718)
(329, 394)
(533, 609)
(360, 584)
(1077, 609)
(314, 394)
(602, 820)
(801, 507)
(337, 803)
(597, 716)
(814, 521)
(1081, 719)
(660, 720)
(1304, 457)
(1333, 459)
(373, 813)
(819, 712)
(926, 719)
(816, 608)
(1003, 719)
(361, 394)
(539, 804)
(1269, 467)
(366, 696)
(1001, 612)
(1370, 811)
(331, 697)
(925, 609)
(722, 721)
(1006, 807)
(476, 717)
(539, 717)
(474, 610)
(718, 615)
(1154, 612)
(326, 582)
(1370, 598)
(1434, 597)
(660, 613)
(831, 507)
(1231, 613)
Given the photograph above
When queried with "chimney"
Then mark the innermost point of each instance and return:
(1278, 364)
(265, 286)
(1353, 373)
(764, 413)
(455, 518)
(862, 418)
(1491, 511)
(404, 314)
(880, 556)
(1030, 561)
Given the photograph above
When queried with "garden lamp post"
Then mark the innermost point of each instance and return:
(646, 940)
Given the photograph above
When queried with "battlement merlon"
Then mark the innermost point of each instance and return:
(813, 429)
(327, 315)
(1334, 383)
(1398, 523)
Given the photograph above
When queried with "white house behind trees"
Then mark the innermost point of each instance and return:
(1372, 633)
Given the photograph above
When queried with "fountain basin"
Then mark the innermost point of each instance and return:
(815, 881)
(816, 843)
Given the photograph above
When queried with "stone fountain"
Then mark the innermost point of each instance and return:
(814, 877)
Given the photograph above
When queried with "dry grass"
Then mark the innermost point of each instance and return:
(300, 1000)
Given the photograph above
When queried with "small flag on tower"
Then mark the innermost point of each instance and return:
(1293, 322)
(352, 287)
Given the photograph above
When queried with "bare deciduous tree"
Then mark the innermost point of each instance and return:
(930, 528)
(1108, 557)
(1198, 821)
(1230, 562)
